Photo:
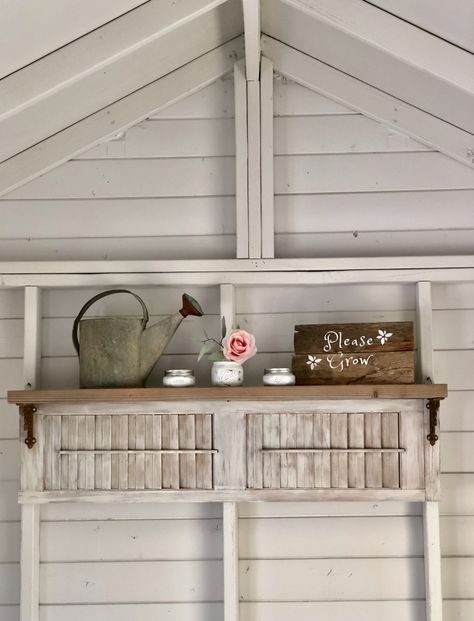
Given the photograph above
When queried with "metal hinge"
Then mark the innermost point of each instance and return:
(27, 411)
(433, 407)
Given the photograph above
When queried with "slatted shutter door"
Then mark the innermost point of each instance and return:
(363, 450)
(128, 452)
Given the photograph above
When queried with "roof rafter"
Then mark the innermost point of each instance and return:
(251, 10)
(108, 64)
(381, 50)
(370, 101)
(129, 110)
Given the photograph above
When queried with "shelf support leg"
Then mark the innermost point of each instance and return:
(231, 561)
(31, 478)
(432, 548)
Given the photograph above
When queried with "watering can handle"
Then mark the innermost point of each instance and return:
(87, 305)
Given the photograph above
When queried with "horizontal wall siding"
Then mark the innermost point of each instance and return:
(346, 185)
(173, 172)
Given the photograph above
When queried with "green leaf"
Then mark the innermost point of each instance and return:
(224, 328)
(216, 356)
(206, 348)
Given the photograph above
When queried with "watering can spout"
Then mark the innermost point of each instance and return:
(156, 337)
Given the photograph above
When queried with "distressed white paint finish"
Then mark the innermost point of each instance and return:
(376, 104)
(363, 41)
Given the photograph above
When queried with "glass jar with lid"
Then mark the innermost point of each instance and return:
(278, 376)
(179, 378)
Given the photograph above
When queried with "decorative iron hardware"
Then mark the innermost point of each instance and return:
(433, 407)
(27, 412)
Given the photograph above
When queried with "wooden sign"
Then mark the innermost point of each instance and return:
(364, 353)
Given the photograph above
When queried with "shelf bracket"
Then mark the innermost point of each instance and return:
(27, 411)
(433, 407)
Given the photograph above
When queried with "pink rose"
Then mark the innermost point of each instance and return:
(239, 346)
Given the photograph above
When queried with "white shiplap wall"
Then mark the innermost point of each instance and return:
(163, 190)
(347, 186)
(363, 564)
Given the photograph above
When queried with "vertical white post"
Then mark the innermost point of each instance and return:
(432, 548)
(231, 561)
(241, 184)
(30, 513)
(254, 166)
(230, 509)
(266, 113)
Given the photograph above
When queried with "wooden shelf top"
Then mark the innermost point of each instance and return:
(240, 393)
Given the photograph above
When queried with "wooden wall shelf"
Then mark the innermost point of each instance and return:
(241, 393)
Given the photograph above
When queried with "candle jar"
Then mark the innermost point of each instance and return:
(278, 377)
(226, 373)
(179, 378)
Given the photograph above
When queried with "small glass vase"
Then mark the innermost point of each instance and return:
(227, 373)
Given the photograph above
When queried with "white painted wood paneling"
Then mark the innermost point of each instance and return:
(59, 22)
(390, 200)
(453, 23)
(153, 581)
(176, 213)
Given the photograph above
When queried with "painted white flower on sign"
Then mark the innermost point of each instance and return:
(384, 336)
(313, 362)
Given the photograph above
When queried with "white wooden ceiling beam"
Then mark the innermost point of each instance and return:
(381, 50)
(252, 279)
(251, 10)
(108, 64)
(370, 101)
(227, 266)
(130, 110)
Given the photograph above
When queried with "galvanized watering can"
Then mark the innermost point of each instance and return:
(120, 352)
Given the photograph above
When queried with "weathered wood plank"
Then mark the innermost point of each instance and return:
(339, 461)
(56, 457)
(356, 465)
(65, 444)
(89, 444)
(140, 457)
(204, 441)
(81, 459)
(221, 393)
(412, 473)
(373, 439)
(148, 461)
(354, 337)
(322, 439)
(156, 460)
(132, 458)
(254, 451)
(390, 462)
(187, 463)
(304, 439)
(170, 440)
(360, 368)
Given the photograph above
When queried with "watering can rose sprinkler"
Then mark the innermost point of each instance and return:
(120, 352)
